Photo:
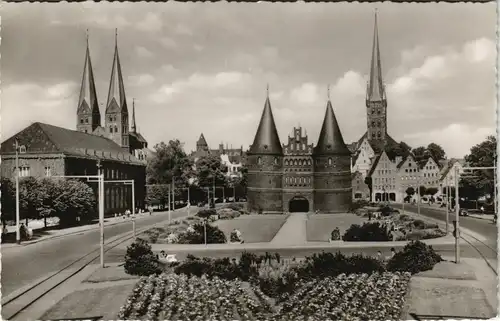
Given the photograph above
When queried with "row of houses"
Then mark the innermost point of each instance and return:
(391, 178)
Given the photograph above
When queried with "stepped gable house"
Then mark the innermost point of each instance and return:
(48, 150)
(298, 177)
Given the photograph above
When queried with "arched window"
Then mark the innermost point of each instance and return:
(86, 120)
(286, 162)
(378, 111)
(329, 161)
(276, 161)
(378, 123)
(259, 161)
(296, 163)
(81, 120)
(378, 134)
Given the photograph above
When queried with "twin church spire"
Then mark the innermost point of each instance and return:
(116, 125)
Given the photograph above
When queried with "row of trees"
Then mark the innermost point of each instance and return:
(170, 163)
(69, 200)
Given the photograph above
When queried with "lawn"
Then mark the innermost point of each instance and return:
(320, 226)
(112, 272)
(253, 228)
(93, 302)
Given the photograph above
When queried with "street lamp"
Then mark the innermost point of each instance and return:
(18, 228)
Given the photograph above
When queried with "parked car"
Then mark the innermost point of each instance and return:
(463, 212)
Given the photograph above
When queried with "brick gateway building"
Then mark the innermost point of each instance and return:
(298, 177)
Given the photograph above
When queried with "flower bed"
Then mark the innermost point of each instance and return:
(179, 297)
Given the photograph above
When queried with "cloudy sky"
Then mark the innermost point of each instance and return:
(195, 67)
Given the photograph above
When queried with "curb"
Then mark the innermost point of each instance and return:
(26, 243)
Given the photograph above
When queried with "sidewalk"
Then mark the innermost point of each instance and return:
(293, 232)
(488, 217)
(55, 233)
(452, 291)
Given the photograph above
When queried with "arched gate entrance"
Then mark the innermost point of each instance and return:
(298, 204)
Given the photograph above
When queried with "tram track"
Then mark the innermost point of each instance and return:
(16, 303)
(481, 253)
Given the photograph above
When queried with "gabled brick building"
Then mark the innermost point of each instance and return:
(54, 151)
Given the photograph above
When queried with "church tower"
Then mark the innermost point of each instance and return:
(88, 115)
(117, 123)
(265, 166)
(332, 172)
(376, 100)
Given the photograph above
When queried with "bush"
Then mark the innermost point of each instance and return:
(415, 257)
(419, 224)
(386, 210)
(197, 236)
(153, 234)
(140, 260)
(404, 217)
(370, 231)
(357, 205)
(424, 234)
(206, 213)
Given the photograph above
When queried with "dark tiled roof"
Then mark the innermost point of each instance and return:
(138, 136)
(330, 141)
(266, 139)
(202, 140)
(79, 144)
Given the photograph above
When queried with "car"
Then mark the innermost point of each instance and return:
(463, 212)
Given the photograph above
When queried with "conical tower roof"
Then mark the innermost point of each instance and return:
(116, 87)
(266, 139)
(88, 95)
(375, 90)
(330, 140)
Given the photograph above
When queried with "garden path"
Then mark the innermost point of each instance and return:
(293, 232)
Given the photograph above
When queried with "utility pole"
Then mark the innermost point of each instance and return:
(18, 227)
(133, 209)
(457, 216)
(418, 194)
(189, 200)
(448, 191)
(169, 213)
(100, 172)
(173, 191)
(213, 196)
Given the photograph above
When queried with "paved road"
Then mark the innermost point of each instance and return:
(480, 226)
(26, 264)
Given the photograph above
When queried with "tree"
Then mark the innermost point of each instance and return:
(74, 199)
(8, 199)
(157, 195)
(431, 191)
(210, 169)
(169, 161)
(422, 190)
(481, 155)
(410, 191)
(436, 152)
(421, 155)
(401, 149)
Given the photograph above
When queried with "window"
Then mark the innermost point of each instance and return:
(286, 163)
(378, 134)
(47, 171)
(24, 171)
(110, 129)
(116, 129)
(378, 123)
(276, 161)
(378, 111)
(329, 161)
(259, 161)
(86, 120)
(373, 111)
(373, 123)
(81, 120)
(85, 131)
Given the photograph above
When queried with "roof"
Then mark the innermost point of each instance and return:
(450, 165)
(87, 102)
(55, 139)
(390, 141)
(375, 86)
(266, 139)
(375, 164)
(404, 160)
(202, 141)
(330, 141)
(116, 87)
(138, 136)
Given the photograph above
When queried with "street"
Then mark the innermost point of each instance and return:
(480, 226)
(25, 264)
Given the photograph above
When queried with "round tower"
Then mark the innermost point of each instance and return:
(332, 174)
(265, 167)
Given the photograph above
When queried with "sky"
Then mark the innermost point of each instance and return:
(203, 67)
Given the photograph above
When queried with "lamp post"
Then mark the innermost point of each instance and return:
(213, 196)
(457, 216)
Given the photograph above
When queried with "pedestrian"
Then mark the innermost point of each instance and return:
(5, 230)
(482, 209)
(369, 215)
(150, 208)
(379, 255)
(393, 252)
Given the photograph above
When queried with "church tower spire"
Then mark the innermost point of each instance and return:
(117, 122)
(330, 141)
(133, 127)
(376, 101)
(88, 115)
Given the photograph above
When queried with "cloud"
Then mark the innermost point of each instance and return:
(143, 52)
(306, 94)
(448, 137)
(168, 42)
(142, 80)
(182, 29)
(150, 23)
